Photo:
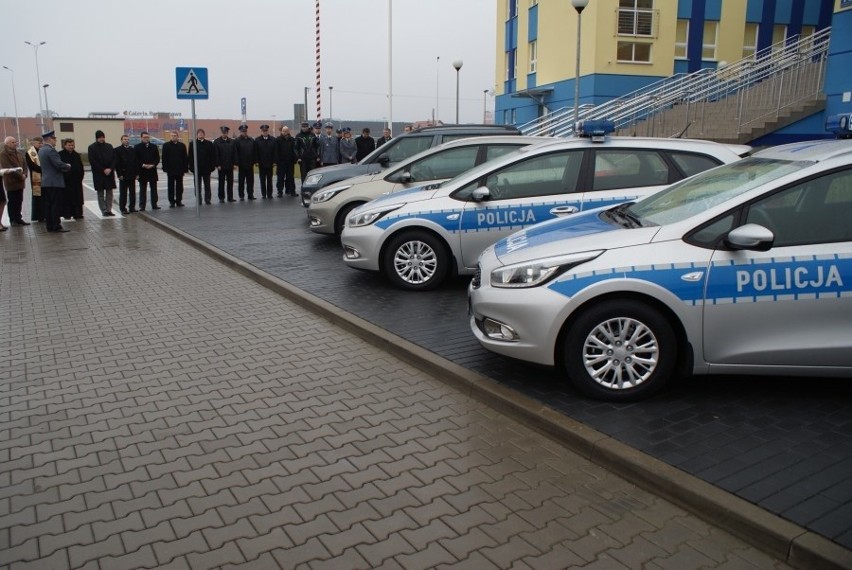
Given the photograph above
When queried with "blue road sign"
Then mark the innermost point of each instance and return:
(191, 83)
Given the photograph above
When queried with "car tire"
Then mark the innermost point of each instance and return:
(416, 261)
(340, 219)
(620, 350)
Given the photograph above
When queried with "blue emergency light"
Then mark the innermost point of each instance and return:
(840, 125)
(595, 129)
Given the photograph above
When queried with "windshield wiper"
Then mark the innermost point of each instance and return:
(623, 217)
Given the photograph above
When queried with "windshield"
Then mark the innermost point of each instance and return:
(711, 188)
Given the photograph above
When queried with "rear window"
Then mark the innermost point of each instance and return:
(693, 163)
(406, 147)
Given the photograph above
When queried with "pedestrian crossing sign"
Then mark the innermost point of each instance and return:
(191, 82)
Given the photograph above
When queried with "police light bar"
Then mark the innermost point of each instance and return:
(596, 129)
(840, 125)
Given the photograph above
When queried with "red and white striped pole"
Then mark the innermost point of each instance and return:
(319, 82)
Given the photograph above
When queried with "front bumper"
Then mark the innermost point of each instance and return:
(362, 247)
(534, 315)
(321, 218)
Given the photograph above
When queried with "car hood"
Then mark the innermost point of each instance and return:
(360, 179)
(415, 194)
(576, 233)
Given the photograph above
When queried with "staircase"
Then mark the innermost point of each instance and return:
(736, 103)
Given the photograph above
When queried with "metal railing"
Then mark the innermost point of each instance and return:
(751, 90)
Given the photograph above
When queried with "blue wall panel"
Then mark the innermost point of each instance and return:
(754, 11)
(713, 10)
(783, 10)
(530, 80)
(532, 24)
(684, 9)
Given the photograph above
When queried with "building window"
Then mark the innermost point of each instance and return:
(637, 18)
(779, 36)
(750, 40)
(633, 52)
(511, 64)
(708, 44)
(66, 127)
(512, 8)
(807, 31)
(533, 55)
(681, 36)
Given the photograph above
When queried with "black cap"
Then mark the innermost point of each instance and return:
(264, 127)
(305, 124)
(317, 125)
(243, 128)
(99, 134)
(224, 128)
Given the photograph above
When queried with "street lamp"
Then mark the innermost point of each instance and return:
(484, 106)
(438, 90)
(458, 65)
(35, 47)
(47, 110)
(330, 103)
(15, 101)
(579, 5)
(306, 103)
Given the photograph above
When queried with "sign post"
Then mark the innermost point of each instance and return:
(191, 83)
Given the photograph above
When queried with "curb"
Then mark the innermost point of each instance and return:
(770, 533)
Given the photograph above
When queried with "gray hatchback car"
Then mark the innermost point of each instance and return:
(396, 150)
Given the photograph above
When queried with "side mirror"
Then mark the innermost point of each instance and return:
(751, 237)
(405, 177)
(383, 159)
(481, 194)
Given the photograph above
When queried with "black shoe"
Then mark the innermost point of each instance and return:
(141, 209)
(20, 223)
(252, 198)
(109, 214)
(231, 200)
(125, 211)
(132, 210)
(280, 195)
(208, 202)
(179, 204)
(78, 217)
(62, 230)
(220, 201)
(155, 208)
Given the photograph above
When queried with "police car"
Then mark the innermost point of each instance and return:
(746, 268)
(330, 206)
(418, 237)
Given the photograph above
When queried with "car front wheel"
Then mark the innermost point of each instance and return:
(620, 350)
(416, 260)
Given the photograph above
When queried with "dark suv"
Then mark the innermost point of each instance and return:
(396, 150)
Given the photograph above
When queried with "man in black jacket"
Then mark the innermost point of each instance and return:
(265, 151)
(125, 166)
(175, 165)
(246, 156)
(102, 161)
(365, 143)
(285, 159)
(386, 136)
(147, 159)
(225, 161)
(206, 163)
(307, 149)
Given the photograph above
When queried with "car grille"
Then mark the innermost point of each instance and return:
(477, 277)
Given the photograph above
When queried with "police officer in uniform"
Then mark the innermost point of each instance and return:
(265, 150)
(246, 155)
(329, 148)
(225, 161)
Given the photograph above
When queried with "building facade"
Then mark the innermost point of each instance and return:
(629, 44)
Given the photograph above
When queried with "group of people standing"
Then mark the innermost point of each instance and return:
(323, 146)
(124, 165)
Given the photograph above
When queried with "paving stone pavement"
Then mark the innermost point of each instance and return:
(159, 410)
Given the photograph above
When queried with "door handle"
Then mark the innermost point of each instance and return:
(564, 210)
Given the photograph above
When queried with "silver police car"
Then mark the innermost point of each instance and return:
(746, 268)
(418, 237)
(330, 206)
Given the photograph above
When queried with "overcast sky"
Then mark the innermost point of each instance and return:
(116, 56)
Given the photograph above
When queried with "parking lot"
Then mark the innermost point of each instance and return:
(784, 444)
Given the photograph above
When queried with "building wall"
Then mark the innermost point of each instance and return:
(553, 24)
(83, 130)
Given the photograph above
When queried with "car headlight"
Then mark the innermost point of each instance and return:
(313, 179)
(537, 271)
(326, 195)
(367, 217)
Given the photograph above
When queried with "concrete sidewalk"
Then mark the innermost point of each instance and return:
(160, 410)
